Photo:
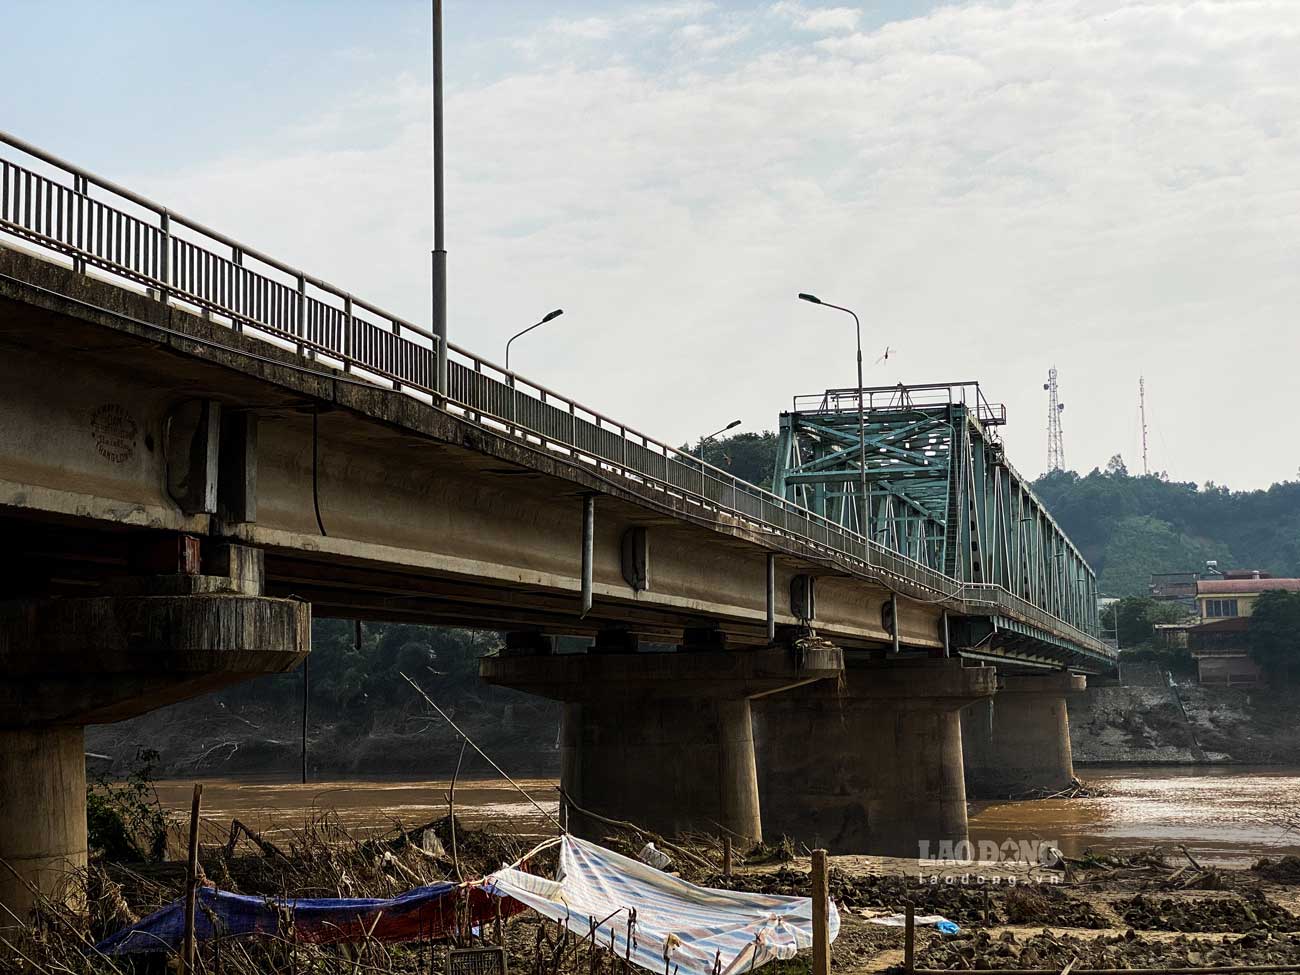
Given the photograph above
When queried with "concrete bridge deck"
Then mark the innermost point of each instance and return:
(428, 515)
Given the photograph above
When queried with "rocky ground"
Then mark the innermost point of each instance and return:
(1150, 722)
(1154, 909)
(1146, 911)
(208, 736)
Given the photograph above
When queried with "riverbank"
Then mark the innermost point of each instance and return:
(1226, 816)
(1157, 908)
(1150, 721)
(1145, 721)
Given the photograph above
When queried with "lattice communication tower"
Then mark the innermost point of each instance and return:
(1055, 442)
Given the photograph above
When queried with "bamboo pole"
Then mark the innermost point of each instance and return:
(726, 857)
(191, 883)
(821, 964)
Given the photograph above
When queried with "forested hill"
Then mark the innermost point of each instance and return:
(1127, 527)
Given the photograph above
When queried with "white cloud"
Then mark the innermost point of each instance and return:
(710, 38)
(1106, 187)
(652, 17)
(819, 20)
(584, 28)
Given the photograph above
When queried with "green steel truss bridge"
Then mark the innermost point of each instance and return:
(940, 491)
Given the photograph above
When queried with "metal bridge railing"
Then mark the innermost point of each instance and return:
(899, 398)
(99, 224)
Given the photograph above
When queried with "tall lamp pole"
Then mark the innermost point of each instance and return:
(439, 256)
(549, 316)
(862, 422)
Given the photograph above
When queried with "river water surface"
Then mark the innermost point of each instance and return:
(1228, 815)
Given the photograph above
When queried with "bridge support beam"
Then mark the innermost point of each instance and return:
(872, 766)
(661, 739)
(1017, 744)
(66, 663)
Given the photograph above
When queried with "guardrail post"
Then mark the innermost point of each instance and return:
(300, 325)
(236, 288)
(397, 333)
(346, 340)
(82, 190)
(166, 245)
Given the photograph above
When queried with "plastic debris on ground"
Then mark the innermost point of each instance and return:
(676, 924)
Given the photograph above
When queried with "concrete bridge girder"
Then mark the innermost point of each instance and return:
(89, 426)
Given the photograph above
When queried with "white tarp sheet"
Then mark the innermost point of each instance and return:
(685, 924)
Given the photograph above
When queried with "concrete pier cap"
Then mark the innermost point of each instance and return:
(663, 740)
(873, 765)
(68, 662)
(1017, 744)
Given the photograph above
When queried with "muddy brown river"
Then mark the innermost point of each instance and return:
(1229, 815)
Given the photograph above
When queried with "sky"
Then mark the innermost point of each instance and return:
(995, 187)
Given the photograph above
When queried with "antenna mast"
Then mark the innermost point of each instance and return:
(1142, 407)
(1055, 442)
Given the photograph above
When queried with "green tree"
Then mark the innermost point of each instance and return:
(1128, 527)
(1141, 545)
(1138, 616)
(749, 456)
(1273, 635)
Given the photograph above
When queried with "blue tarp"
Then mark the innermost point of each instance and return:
(425, 912)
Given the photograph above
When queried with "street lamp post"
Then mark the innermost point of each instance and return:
(703, 440)
(862, 422)
(439, 255)
(549, 316)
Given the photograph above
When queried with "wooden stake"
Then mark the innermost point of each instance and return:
(191, 883)
(821, 898)
(306, 696)
(909, 940)
(726, 857)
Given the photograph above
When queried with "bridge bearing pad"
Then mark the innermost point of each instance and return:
(71, 662)
(874, 765)
(663, 740)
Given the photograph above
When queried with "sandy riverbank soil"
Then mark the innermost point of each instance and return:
(1154, 909)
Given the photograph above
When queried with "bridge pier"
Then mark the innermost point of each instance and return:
(871, 766)
(69, 662)
(42, 814)
(661, 739)
(1017, 743)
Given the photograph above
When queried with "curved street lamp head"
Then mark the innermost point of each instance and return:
(730, 426)
(549, 316)
(807, 297)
